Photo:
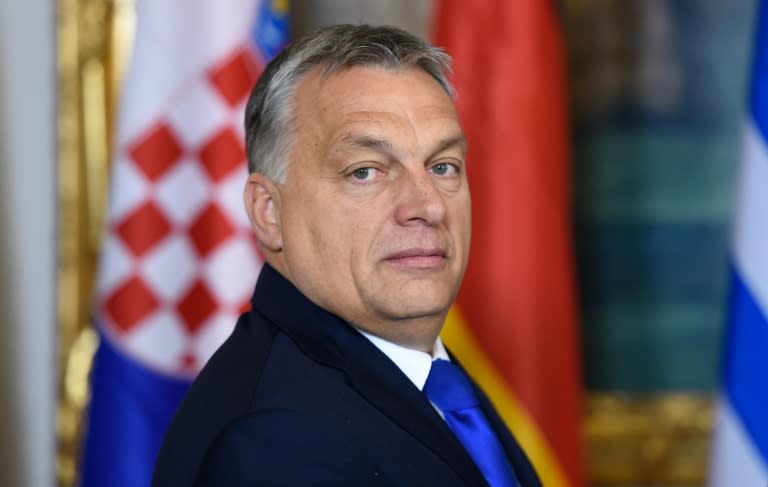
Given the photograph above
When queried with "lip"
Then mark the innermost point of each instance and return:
(418, 258)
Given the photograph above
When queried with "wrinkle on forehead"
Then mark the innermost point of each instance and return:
(332, 93)
(367, 107)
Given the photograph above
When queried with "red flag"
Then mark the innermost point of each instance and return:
(515, 323)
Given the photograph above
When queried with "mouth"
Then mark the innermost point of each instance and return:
(418, 258)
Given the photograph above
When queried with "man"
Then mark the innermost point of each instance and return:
(360, 203)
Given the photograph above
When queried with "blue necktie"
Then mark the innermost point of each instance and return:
(452, 392)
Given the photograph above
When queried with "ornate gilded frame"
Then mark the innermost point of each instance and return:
(649, 439)
(93, 39)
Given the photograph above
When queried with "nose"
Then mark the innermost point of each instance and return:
(419, 200)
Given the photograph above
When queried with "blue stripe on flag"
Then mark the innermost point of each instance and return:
(128, 418)
(759, 96)
(746, 363)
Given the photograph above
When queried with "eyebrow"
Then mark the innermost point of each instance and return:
(385, 147)
(457, 140)
(368, 142)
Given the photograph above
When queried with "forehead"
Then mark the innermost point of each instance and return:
(372, 95)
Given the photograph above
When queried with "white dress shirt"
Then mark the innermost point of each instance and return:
(415, 364)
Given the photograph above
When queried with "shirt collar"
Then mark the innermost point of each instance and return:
(415, 364)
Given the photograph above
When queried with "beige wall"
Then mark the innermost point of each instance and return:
(27, 242)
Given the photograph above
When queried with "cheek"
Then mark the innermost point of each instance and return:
(332, 233)
(461, 228)
(302, 231)
(356, 235)
(372, 230)
(461, 213)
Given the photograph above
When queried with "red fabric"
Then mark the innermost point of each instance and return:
(518, 295)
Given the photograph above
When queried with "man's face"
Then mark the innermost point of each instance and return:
(375, 212)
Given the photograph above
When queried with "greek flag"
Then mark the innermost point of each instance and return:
(740, 452)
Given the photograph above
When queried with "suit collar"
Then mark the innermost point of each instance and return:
(324, 337)
(331, 341)
(415, 364)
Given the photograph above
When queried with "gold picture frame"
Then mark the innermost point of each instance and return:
(93, 40)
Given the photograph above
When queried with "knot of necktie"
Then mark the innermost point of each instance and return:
(449, 388)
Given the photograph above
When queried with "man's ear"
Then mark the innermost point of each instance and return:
(262, 202)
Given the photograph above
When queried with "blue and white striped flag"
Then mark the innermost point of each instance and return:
(740, 452)
(178, 260)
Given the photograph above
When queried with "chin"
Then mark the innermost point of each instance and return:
(409, 308)
(411, 297)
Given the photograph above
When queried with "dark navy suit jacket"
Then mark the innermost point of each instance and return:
(298, 397)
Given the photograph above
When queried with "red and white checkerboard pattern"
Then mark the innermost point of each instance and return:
(179, 260)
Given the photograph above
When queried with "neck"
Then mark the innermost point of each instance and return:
(417, 334)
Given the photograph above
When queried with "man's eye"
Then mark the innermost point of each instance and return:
(444, 169)
(364, 173)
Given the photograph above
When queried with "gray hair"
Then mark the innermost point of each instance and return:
(269, 126)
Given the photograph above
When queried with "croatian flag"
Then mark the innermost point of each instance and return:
(740, 452)
(178, 260)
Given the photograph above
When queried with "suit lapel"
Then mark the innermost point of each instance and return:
(329, 340)
(382, 383)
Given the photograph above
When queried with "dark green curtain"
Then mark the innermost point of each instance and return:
(658, 93)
